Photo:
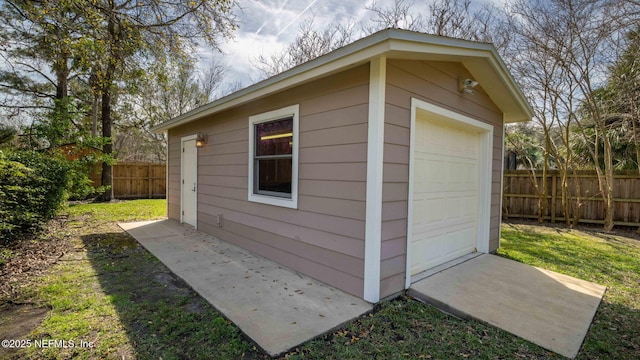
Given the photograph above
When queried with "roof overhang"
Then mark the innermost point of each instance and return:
(480, 59)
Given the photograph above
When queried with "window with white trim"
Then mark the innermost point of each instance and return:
(273, 157)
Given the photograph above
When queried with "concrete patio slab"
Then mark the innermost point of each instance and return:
(544, 307)
(276, 307)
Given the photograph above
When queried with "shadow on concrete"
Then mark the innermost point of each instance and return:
(276, 307)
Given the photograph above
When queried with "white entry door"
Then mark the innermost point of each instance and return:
(445, 192)
(189, 174)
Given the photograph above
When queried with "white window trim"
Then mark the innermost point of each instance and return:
(265, 117)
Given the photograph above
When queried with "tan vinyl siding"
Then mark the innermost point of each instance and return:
(395, 189)
(349, 153)
(396, 210)
(333, 189)
(324, 237)
(435, 82)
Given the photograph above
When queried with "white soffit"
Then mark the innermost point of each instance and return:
(480, 59)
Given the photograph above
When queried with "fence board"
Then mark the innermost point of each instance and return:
(136, 180)
(521, 201)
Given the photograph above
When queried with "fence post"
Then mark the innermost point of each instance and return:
(553, 198)
(150, 180)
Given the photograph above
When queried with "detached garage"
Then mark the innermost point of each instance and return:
(363, 168)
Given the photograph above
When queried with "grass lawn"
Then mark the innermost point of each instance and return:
(604, 258)
(109, 291)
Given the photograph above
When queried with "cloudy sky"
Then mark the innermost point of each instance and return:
(267, 26)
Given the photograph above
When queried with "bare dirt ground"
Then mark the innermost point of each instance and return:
(29, 258)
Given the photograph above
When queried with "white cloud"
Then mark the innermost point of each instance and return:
(268, 26)
(300, 14)
(245, 48)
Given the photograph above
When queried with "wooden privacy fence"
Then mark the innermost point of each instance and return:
(520, 199)
(137, 180)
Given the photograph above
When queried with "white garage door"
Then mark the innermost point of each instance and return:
(445, 192)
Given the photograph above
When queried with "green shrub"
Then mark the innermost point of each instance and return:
(80, 185)
(33, 187)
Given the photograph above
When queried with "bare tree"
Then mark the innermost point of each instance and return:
(400, 15)
(210, 82)
(462, 19)
(453, 18)
(572, 43)
(309, 44)
(170, 90)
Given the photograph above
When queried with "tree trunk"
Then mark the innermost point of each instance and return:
(565, 194)
(634, 128)
(107, 148)
(62, 86)
(107, 121)
(534, 182)
(604, 180)
(608, 186)
(62, 90)
(542, 200)
(94, 116)
(577, 204)
(94, 84)
(636, 142)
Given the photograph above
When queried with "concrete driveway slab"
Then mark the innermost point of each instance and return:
(273, 305)
(542, 306)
